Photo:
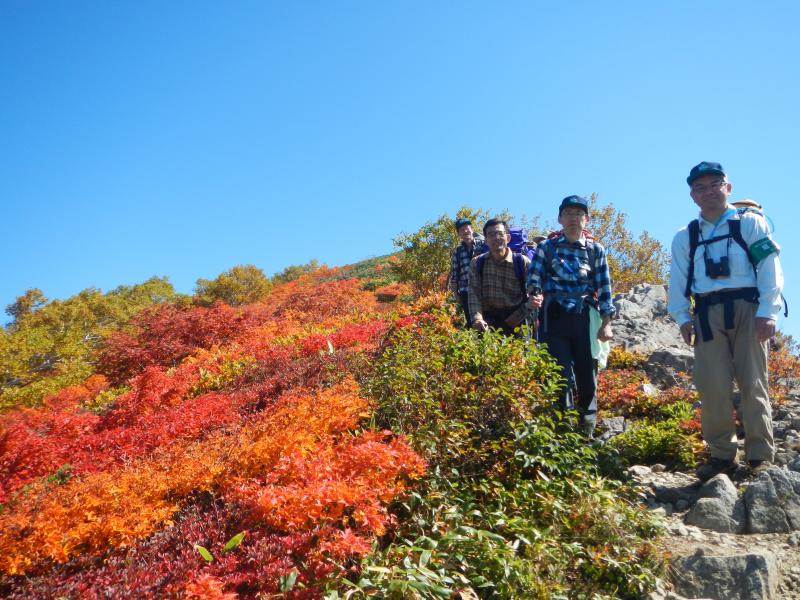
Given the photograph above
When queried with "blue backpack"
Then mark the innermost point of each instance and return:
(519, 242)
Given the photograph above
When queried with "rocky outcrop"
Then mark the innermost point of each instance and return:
(773, 502)
(642, 323)
(739, 577)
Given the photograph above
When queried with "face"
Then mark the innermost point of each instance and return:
(710, 193)
(465, 233)
(497, 238)
(573, 219)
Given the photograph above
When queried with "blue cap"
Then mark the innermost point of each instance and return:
(705, 168)
(461, 222)
(577, 201)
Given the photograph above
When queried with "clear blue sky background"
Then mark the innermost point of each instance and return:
(183, 138)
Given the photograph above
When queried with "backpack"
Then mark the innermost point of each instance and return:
(735, 233)
(747, 205)
(519, 242)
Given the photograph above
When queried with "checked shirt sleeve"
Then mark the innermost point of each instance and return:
(602, 282)
(454, 272)
(536, 270)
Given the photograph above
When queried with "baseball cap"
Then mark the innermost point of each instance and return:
(577, 201)
(705, 168)
(461, 222)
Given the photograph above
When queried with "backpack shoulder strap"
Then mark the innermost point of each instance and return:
(549, 248)
(591, 252)
(694, 237)
(519, 268)
(735, 229)
(479, 264)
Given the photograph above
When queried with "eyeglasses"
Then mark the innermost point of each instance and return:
(496, 234)
(702, 189)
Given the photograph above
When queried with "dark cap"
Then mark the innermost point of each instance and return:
(576, 201)
(461, 222)
(705, 168)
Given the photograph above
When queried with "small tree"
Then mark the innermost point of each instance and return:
(632, 261)
(425, 258)
(243, 284)
(293, 272)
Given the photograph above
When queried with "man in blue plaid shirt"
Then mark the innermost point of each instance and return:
(569, 275)
(471, 245)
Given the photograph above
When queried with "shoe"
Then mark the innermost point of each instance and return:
(715, 466)
(759, 466)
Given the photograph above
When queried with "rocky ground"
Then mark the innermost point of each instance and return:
(733, 537)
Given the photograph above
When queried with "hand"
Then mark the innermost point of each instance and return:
(687, 330)
(480, 325)
(604, 334)
(536, 301)
(765, 328)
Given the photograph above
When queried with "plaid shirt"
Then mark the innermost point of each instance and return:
(497, 288)
(568, 276)
(459, 263)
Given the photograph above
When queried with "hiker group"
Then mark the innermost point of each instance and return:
(724, 292)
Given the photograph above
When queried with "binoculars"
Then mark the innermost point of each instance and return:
(719, 268)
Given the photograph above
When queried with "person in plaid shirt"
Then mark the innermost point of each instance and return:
(497, 296)
(572, 273)
(471, 245)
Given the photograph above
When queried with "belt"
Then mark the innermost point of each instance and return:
(725, 297)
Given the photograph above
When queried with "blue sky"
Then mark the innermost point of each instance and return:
(182, 138)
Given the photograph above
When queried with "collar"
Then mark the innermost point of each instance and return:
(729, 214)
(563, 239)
(509, 257)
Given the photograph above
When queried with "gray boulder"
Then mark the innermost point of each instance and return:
(710, 513)
(662, 365)
(642, 323)
(611, 426)
(718, 508)
(773, 502)
(740, 577)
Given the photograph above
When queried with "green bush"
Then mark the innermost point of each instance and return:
(458, 395)
(514, 505)
(648, 442)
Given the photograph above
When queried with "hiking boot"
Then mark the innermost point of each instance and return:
(715, 466)
(759, 466)
(587, 427)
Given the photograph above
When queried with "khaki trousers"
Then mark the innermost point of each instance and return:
(734, 354)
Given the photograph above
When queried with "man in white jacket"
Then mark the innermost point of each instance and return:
(727, 262)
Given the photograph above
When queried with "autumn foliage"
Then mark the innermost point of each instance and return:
(204, 422)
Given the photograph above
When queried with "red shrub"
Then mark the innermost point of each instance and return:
(165, 334)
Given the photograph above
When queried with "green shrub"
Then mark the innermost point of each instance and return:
(514, 505)
(648, 442)
(458, 395)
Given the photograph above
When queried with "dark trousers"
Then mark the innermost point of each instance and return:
(497, 320)
(567, 339)
(464, 297)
